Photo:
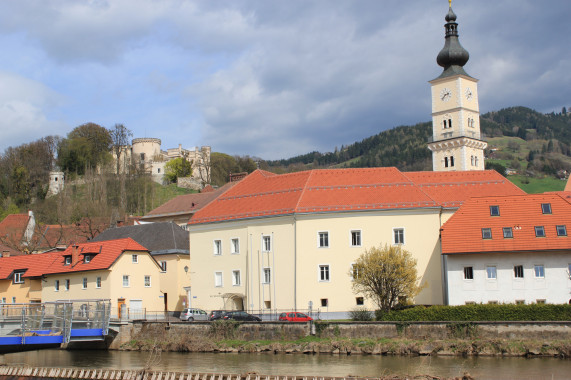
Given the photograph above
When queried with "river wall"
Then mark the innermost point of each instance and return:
(284, 331)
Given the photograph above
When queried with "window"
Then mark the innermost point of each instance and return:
(56, 286)
(324, 302)
(354, 271)
(135, 259)
(492, 302)
(539, 271)
(235, 245)
(267, 243)
(217, 247)
(236, 280)
(163, 266)
(520, 302)
(268, 304)
(470, 303)
(518, 271)
(147, 281)
(98, 282)
(67, 260)
(486, 233)
(359, 301)
(398, 234)
(323, 239)
(540, 301)
(267, 279)
(508, 233)
(125, 281)
(84, 283)
(218, 279)
(546, 208)
(494, 210)
(86, 259)
(18, 278)
(356, 238)
(491, 272)
(13, 299)
(539, 231)
(324, 273)
(67, 283)
(451, 157)
(561, 230)
(468, 273)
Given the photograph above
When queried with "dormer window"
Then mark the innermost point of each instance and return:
(87, 258)
(546, 208)
(494, 210)
(18, 277)
(67, 260)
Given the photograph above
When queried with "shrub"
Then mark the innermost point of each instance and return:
(361, 314)
(481, 312)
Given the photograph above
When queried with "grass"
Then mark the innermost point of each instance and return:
(537, 185)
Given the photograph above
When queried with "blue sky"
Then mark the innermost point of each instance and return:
(267, 78)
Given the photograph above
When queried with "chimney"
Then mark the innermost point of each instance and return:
(5, 254)
(74, 254)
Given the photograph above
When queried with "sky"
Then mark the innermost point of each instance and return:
(265, 78)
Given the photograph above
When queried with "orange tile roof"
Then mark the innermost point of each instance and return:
(462, 233)
(13, 226)
(328, 190)
(105, 254)
(188, 203)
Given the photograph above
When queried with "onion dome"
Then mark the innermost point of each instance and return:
(453, 56)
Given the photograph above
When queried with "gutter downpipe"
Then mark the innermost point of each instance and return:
(294, 262)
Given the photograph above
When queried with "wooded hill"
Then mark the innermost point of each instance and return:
(533, 143)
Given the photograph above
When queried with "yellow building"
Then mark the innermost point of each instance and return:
(16, 286)
(287, 242)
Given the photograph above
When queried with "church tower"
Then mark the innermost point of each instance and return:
(456, 142)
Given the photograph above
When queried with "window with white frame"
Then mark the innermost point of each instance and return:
(98, 282)
(236, 279)
(398, 235)
(323, 239)
(266, 243)
(561, 230)
(539, 271)
(135, 259)
(356, 238)
(324, 272)
(518, 271)
(84, 283)
(56, 286)
(235, 246)
(18, 279)
(491, 272)
(13, 299)
(267, 276)
(468, 273)
(354, 271)
(67, 284)
(67, 260)
(147, 281)
(3, 299)
(86, 259)
(163, 266)
(217, 247)
(126, 281)
(218, 279)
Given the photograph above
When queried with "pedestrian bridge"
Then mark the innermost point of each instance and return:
(53, 323)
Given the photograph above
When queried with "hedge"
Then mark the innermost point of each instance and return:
(480, 312)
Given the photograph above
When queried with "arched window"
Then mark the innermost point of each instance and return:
(449, 123)
(452, 161)
(475, 161)
(444, 124)
(445, 162)
(472, 160)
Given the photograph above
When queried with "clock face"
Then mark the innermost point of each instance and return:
(468, 93)
(445, 95)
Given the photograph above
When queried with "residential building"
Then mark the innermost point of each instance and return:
(511, 249)
(168, 244)
(16, 285)
(275, 242)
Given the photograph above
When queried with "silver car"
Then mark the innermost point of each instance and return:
(191, 314)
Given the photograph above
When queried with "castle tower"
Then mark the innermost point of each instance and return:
(456, 143)
(56, 183)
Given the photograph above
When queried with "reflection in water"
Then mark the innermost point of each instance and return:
(299, 364)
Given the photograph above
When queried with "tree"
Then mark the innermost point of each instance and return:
(387, 275)
(496, 166)
(119, 139)
(86, 146)
(178, 167)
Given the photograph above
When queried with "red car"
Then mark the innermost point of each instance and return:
(295, 317)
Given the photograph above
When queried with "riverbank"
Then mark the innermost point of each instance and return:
(224, 338)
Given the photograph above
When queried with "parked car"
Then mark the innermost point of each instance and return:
(216, 314)
(191, 314)
(241, 316)
(295, 317)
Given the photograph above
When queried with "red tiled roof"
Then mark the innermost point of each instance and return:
(105, 254)
(13, 226)
(462, 233)
(7, 251)
(187, 204)
(329, 190)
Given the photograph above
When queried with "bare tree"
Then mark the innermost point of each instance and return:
(203, 165)
(119, 139)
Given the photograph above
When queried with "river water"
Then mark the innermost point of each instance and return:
(299, 364)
